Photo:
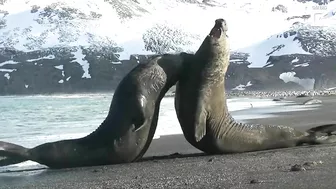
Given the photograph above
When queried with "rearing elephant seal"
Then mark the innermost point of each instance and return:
(125, 134)
(201, 108)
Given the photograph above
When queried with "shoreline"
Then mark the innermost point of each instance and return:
(193, 169)
(229, 94)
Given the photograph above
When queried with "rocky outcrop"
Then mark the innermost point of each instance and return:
(286, 72)
(280, 8)
(60, 70)
(77, 69)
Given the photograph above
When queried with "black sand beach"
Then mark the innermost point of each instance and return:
(265, 169)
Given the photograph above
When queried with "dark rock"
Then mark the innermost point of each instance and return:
(280, 8)
(319, 2)
(2, 2)
(302, 95)
(58, 71)
(211, 160)
(255, 181)
(34, 9)
(175, 155)
(304, 17)
(297, 167)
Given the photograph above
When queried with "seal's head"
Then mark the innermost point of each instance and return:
(219, 30)
(215, 45)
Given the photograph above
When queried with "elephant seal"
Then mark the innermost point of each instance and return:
(201, 109)
(127, 131)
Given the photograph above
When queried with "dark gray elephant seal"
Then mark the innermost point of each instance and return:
(200, 105)
(125, 134)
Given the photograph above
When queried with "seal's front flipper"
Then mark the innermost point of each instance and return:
(200, 124)
(12, 154)
(328, 128)
(10, 159)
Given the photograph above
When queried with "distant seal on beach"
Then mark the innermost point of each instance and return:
(127, 131)
(200, 104)
(312, 101)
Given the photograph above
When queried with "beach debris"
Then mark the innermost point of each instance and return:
(95, 171)
(255, 181)
(312, 101)
(305, 166)
(312, 163)
(175, 155)
(279, 99)
(211, 160)
(297, 167)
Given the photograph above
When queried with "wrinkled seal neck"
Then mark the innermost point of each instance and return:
(212, 48)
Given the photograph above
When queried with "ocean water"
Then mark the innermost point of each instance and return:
(33, 120)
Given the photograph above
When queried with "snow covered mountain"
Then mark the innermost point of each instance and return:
(85, 45)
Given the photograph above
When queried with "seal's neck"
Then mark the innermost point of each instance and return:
(213, 49)
(213, 58)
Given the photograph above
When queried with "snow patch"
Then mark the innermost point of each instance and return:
(274, 46)
(61, 81)
(60, 67)
(7, 76)
(302, 65)
(8, 62)
(27, 31)
(80, 59)
(295, 60)
(7, 70)
(49, 57)
(67, 79)
(242, 87)
(26, 86)
(308, 84)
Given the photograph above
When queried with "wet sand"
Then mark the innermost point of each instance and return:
(268, 169)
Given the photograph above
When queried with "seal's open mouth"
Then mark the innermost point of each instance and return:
(216, 32)
(218, 29)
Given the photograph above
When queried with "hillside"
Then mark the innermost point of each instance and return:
(85, 46)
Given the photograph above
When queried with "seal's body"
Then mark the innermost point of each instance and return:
(127, 131)
(200, 104)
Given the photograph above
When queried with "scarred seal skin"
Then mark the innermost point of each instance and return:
(127, 131)
(200, 104)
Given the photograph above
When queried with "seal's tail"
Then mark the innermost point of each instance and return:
(12, 153)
